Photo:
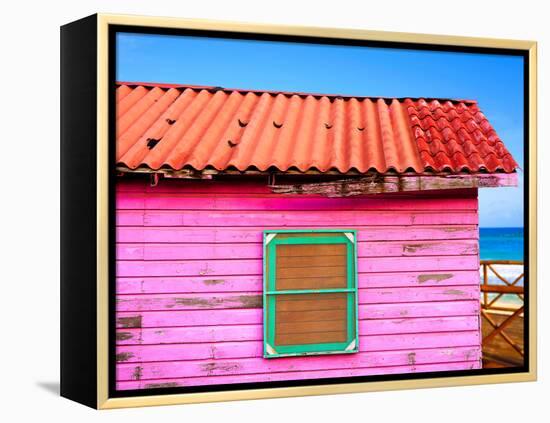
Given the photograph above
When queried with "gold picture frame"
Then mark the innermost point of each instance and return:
(103, 23)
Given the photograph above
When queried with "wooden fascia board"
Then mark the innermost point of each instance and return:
(379, 184)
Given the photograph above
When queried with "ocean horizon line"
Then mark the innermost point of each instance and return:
(501, 227)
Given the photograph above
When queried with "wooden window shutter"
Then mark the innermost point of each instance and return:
(310, 292)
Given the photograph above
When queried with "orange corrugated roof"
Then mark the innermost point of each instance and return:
(176, 127)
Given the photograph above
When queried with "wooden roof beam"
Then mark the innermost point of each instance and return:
(379, 184)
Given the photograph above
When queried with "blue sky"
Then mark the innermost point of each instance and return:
(495, 81)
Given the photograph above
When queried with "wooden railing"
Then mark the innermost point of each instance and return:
(502, 324)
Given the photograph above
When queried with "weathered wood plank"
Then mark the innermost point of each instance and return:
(428, 278)
(176, 335)
(152, 302)
(189, 251)
(188, 284)
(192, 186)
(179, 318)
(254, 283)
(160, 319)
(426, 309)
(225, 187)
(230, 234)
(152, 355)
(377, 184)
(418, 325)
(193, 351)
(442, 345)
(254, 267)
(181, 201)
(290, 218)
(278, 376)
(235, 333)
(421, 294)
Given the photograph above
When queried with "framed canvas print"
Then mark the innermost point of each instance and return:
(257, 211)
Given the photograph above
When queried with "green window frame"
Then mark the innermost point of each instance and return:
(271, 240)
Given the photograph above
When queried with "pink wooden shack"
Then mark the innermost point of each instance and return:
(269, 236)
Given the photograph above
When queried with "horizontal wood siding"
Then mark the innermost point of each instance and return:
(189, 283)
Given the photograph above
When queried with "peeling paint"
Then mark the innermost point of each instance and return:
(123, 336)
(411, 358)
(205, 271)
(373, 184)
(124, 356)
(454, 292)
(213, 281)
(437, 277)
(138, 372)
(251, 301)
(454, 229)
(130, 322)
(200, 302)
(222, 367)
(413, 248)
(161, 385)
(469, 354)
(243, 301)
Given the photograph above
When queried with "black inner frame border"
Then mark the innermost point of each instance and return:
(112, 32)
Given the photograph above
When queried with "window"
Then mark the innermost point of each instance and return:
(310, 292)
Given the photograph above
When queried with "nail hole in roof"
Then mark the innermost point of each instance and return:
(170, 121)
(360, 128)
(231, 143)
(151, 142)
(277, 125)
(328, 125)
(242, 124)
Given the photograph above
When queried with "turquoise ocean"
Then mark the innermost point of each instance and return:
(503, 244)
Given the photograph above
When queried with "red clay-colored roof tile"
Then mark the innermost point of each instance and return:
(169, 126)
(460, 161)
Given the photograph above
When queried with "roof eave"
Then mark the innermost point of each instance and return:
(405, 181)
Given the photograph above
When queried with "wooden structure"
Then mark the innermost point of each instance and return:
(502, 321)
(189, 282)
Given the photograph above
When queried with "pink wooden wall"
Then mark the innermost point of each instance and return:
(189, 283)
